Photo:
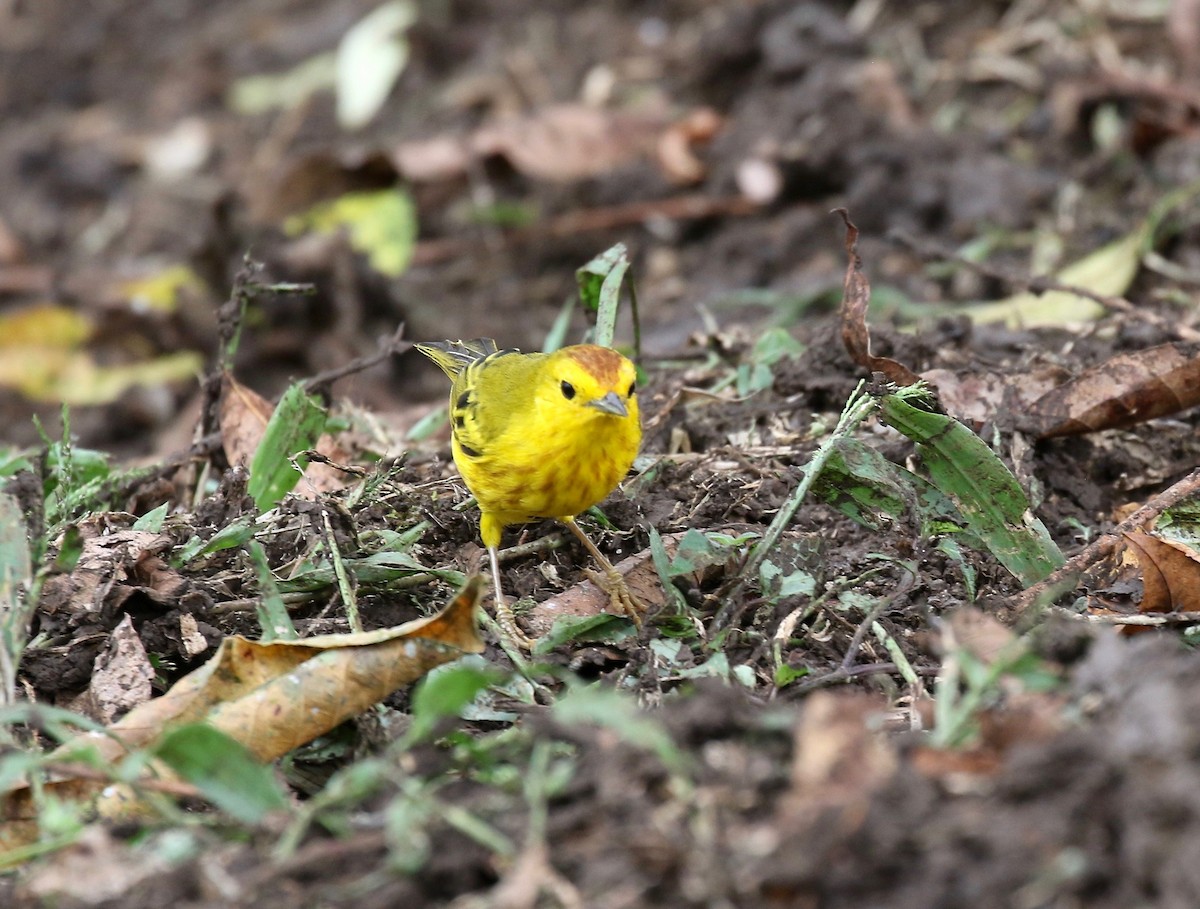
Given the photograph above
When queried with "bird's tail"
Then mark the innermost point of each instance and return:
(454, 356)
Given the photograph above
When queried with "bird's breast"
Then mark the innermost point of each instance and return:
(544, 476)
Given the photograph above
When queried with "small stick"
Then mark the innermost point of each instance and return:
(1067, 576)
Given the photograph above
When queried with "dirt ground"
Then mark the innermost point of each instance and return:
(800, 763)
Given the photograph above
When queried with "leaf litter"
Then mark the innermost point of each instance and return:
(1030, 769)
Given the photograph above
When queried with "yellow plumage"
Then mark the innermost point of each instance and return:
(541, 435)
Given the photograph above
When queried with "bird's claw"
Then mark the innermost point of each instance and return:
(620, 597)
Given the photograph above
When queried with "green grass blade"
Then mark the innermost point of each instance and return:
(295, 426)
(224, 770)
(600, 283)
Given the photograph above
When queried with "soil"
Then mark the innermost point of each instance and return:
(801, 771)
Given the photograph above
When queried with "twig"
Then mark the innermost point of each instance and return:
(393, 345)
(1066, 577)
(1147, 620)
(903, 586)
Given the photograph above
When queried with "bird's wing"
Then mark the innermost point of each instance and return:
(488, 395)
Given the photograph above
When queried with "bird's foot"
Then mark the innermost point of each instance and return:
(620, 597)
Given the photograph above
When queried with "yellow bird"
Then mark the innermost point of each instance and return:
(541, 435)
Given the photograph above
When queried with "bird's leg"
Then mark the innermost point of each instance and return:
(609, 579)
(504, 613)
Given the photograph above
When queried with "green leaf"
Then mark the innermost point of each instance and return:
(556, 337)
(13, 461)
(16, 566)
(773, 345)
(443, 692)
(584, 628)
(287, 90)
(382, 225)
(230, 536)
(427, 425)
(600, 283)
(662, 564)
(273, 616)
(152, 521)
(223, 769)
(295, 426)
(785, 674)
(775, 585)
(988, 497)
(864, 485)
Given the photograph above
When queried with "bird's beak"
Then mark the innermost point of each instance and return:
(610, 403)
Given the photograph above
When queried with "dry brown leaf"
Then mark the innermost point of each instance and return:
(123, 675)
(676, 157)
(1127, 389)
(980, 634)
(856, 294)
(1170, 573)
(430, 160)
(586, 599)
(1025, 718)
(243, 417)
(270, 697)
(565, 142)
(977, 397)
(113, 565)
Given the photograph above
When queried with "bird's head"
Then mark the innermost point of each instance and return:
(597, 379)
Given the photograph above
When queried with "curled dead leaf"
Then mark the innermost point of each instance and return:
(269, 697)
(1170, 573)
(856, 294)
(1127, 389)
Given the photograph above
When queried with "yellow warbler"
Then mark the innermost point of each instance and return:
(540, 435)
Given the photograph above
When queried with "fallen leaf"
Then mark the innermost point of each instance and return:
(1105, 272)
(1170, 573)
(856, 294)
(45, 325)
(675, 152)
(978, 397)
(381, 224)
(113, 565)
(565, 142)
(122, 676)
(983, 636)
(1127, 389)
(244, 416)
(271, 698)
(370, 58)
(587, 599)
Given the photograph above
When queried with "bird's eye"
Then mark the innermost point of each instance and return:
(568, 390)
(632, 389)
